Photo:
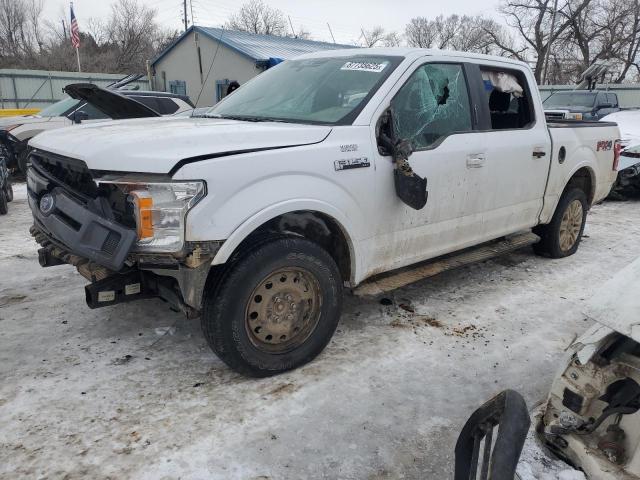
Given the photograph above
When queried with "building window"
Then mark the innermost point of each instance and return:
(178, 87)
(221, 88)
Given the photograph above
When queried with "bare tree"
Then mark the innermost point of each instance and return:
(257, 17)
(131, 32)
(373, 37)
(465, 33)
(421, 32)
(532, 19)
(392, 39)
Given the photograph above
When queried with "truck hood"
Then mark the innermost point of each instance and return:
(110, 102)
(156, 145)
(616, 304)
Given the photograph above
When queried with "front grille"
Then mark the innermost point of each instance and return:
(68, 173)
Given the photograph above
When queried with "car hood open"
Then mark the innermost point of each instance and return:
(616, 304)
(110, 102)
(157, 145)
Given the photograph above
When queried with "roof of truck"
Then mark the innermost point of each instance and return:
(411, 53)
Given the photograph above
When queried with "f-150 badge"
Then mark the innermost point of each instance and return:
(349, 163)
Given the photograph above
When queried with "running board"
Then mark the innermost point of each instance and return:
(407, 275)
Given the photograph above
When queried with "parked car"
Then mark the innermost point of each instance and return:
(256, 217)
(628, 181)
(86, 103)
(580, 105)
(591, 417)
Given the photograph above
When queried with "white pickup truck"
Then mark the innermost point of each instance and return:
(327, 171)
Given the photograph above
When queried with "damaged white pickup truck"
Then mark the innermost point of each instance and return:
(325, 171)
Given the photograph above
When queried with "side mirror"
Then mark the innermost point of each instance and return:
(79, 116)
(410, 188)
(605, 105)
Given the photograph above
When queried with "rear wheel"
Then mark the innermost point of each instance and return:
(562, 236)
(4, 208)
(275, 308)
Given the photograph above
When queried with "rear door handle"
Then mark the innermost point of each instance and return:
(476, 160)
(538, 153)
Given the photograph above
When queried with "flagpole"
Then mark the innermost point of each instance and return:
(78, 57)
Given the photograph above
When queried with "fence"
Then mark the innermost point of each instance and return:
(39, 88)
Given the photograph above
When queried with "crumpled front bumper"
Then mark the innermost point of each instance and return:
(69, 221)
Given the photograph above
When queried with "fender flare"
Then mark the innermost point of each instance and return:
(288, 206)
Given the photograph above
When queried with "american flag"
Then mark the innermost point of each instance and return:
(75, 31)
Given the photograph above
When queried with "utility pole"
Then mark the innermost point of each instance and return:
(334, 38)
(64, 29)
(292, 29)
(366, 40)
(186, 20)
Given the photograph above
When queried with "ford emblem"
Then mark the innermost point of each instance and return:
(47, 204)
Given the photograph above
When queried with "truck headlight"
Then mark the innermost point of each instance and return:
(160, 209)
(574, 116)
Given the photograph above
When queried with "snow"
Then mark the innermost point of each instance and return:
(133, 391)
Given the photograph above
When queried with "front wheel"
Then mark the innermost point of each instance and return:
(562, 236)
(275, 308)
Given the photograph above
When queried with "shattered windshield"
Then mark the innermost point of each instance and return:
(432, 104)
(570, 99)
(330, 90)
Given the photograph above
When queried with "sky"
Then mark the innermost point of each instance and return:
(346, 17)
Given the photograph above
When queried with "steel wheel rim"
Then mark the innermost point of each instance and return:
(571, 225)
(283, 310)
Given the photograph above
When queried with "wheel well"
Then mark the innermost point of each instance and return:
(582, 179)
(314, 226)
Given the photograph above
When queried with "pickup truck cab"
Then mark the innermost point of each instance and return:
(323, 172)
(580, 105)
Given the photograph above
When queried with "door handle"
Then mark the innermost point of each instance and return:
(476, 160)
(538, 152)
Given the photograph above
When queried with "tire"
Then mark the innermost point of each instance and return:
(562, 236)
(4, 208)
(9, 191)
(275, 307)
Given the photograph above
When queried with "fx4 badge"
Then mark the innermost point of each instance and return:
(604, 145)
(349, 163)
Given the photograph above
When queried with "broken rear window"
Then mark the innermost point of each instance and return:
(432, 104)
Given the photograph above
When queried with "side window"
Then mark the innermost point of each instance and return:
(151, 102)
(167, 106)
(92, 112)
(612, 99)
(509, 99)
(432, 104)
(602, 99)
(178, 87)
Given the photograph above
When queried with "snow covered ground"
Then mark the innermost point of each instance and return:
(133, 391)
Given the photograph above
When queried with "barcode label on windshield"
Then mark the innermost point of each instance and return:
(364, 66)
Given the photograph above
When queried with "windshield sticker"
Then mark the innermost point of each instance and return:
(364, 67)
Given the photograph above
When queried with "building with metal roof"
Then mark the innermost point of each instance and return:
(203, 61)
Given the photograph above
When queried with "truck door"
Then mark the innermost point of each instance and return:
(431, 108)
(517, 155)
